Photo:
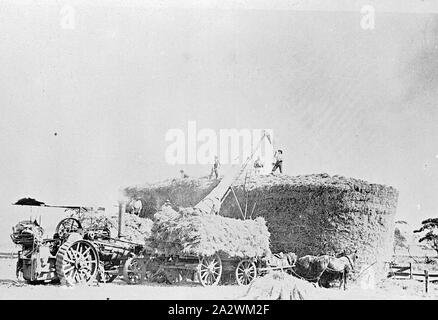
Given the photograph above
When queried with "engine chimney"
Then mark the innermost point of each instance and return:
(121, 225)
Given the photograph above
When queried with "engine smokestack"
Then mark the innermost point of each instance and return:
(121, 224)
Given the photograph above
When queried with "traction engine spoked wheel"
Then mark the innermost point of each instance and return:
(246, 272)
(67, 226)
(210, 270)
(77, 262)
(133, 271)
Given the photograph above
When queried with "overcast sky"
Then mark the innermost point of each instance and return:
(340, 99)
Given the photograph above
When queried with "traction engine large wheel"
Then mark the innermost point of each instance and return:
(246, 272)
(133, 271)
(210, 270)
(77, 262)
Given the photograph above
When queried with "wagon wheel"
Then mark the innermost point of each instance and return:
(133, 271)
(246, 272)
(210, 270)
(68, 225)
(77, 262)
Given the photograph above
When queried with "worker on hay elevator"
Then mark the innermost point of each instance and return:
(215, 168)
(278, 156)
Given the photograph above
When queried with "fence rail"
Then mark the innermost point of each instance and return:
(398, 271)
(8, 255)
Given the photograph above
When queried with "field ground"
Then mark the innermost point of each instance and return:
(10, 288)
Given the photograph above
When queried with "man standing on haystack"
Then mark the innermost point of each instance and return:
(183, 174)
(278, 156)
(215, 169)
(258, 165)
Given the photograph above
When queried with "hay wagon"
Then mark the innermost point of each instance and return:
(210, 270)
(211, 248)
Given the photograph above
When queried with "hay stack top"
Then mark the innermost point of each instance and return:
(190, 234)
(188, 192)
(314, 181)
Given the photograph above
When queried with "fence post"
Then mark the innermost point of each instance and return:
(426, 280)
(345, 280)
(410, 270)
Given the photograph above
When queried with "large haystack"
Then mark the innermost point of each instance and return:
(322, 214)
(310, 214)
(193, 234)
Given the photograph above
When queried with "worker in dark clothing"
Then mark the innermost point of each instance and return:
(278, 156)
(183, 174)
(215, 169)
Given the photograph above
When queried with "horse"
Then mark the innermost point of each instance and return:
(311, 268)
(338, 268)
(324, 269)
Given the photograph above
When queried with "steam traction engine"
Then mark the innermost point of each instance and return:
(74, 255)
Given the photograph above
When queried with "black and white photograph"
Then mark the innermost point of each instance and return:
(237, 151)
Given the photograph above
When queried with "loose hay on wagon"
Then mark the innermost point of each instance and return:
(207, 247)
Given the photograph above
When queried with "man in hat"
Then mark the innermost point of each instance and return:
(278, 156)
(215, 169)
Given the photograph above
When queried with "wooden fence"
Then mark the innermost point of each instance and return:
(406, 272)
(8, 255)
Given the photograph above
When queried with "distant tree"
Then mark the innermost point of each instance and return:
(429, 230)
(399, 239)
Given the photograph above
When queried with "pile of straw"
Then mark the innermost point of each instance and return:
(279, 285)
(191, 234)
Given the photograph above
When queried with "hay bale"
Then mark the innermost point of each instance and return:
(136, 229)
(188, 233)
(279, 285)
